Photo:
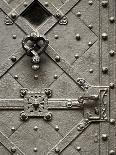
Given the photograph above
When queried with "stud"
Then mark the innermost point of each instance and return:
(13, 149)
(104, 70)
(13, 128)
(111, 19)
(56, 128)
(111, 152)
(78, 14)
(90, 2)
(46, 4)
(90, 43)
(90, 26)
(57, 58)
(13, 58)
(35, 67)
(78, 37)
(78, 148)
(35, 149)
(104, 3)
(14, 36)
(36, 77)
(25, 4)
(13, 15)
(56, 37)
(104, 137)
(76, 56)
(104, 36)
(16, 77)
(57, 150)
(111, 53)
(112, 121)
(111, 85)
(55, 76)
(91, 70)
(35, 128)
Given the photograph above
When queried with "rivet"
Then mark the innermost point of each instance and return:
(104, 137)
(78, 148)
(56, 36)
(46, 4)
(55, 76)
(14, 36)
(35, 67)
(58, 15)
(112, 121)
(25, 4)
(90, 43)
(91, 70)
(13, 149)
(76, 56)
(78, 14)
(48, 116)
(35, 128)
(104, 70)
(57, 58)
(111, 152)
(13, 128)
(104, 3)
(111, 53)
(57, 150)
(90, 26)
(111, 19)
(78, 37)
(104, 36)
(56, 128)
(16, 77)
(35, 149)
(111, 85)
(35, 77)
(90, 2)
(13, 15)
(13, 58)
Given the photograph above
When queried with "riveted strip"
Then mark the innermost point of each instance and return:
(64, 104)
(74, 133)
(69, 70)
(9, 145)
(11, 104)
(9, 63)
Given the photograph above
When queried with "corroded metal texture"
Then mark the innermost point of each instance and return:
(57, 77)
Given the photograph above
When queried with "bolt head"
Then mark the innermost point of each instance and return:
(57, 58)
(112, 53)
(104, 70)
(105, 3)
(111, 19)
(104, 36)
(13, 149)
(104, 137)
(78, 37)
(78, 14)
(13, 58)
(13, 15)
(90, 2)
(112, 121)
(78, 148)
(111, 152)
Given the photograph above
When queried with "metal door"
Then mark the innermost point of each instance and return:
(57, 77)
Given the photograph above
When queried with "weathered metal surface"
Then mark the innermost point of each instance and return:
(68, 105)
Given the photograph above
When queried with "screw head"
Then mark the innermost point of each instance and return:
(13, 58)
(35, 128)
(56, 128)
(104, 70)
(56, 36)
(14, 36)
(111, 85)
(48, 116)
(90, 2)
(57, 150)
(76, 56)
(104, 137)
(111, 152)
(111, 19)
(13, 128)
(104, 36)
(78, 37)
(35, 67)
(78, 148)
(13, 149)
(112, 53)
(55, 76)
(13, 15)
(78, 14)
(35, 149)
(90, 43)
(105, 3)
(16, 77)
(57, 58)
(91, 70)
(90, 26)
(112, 121)
(46, 4)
